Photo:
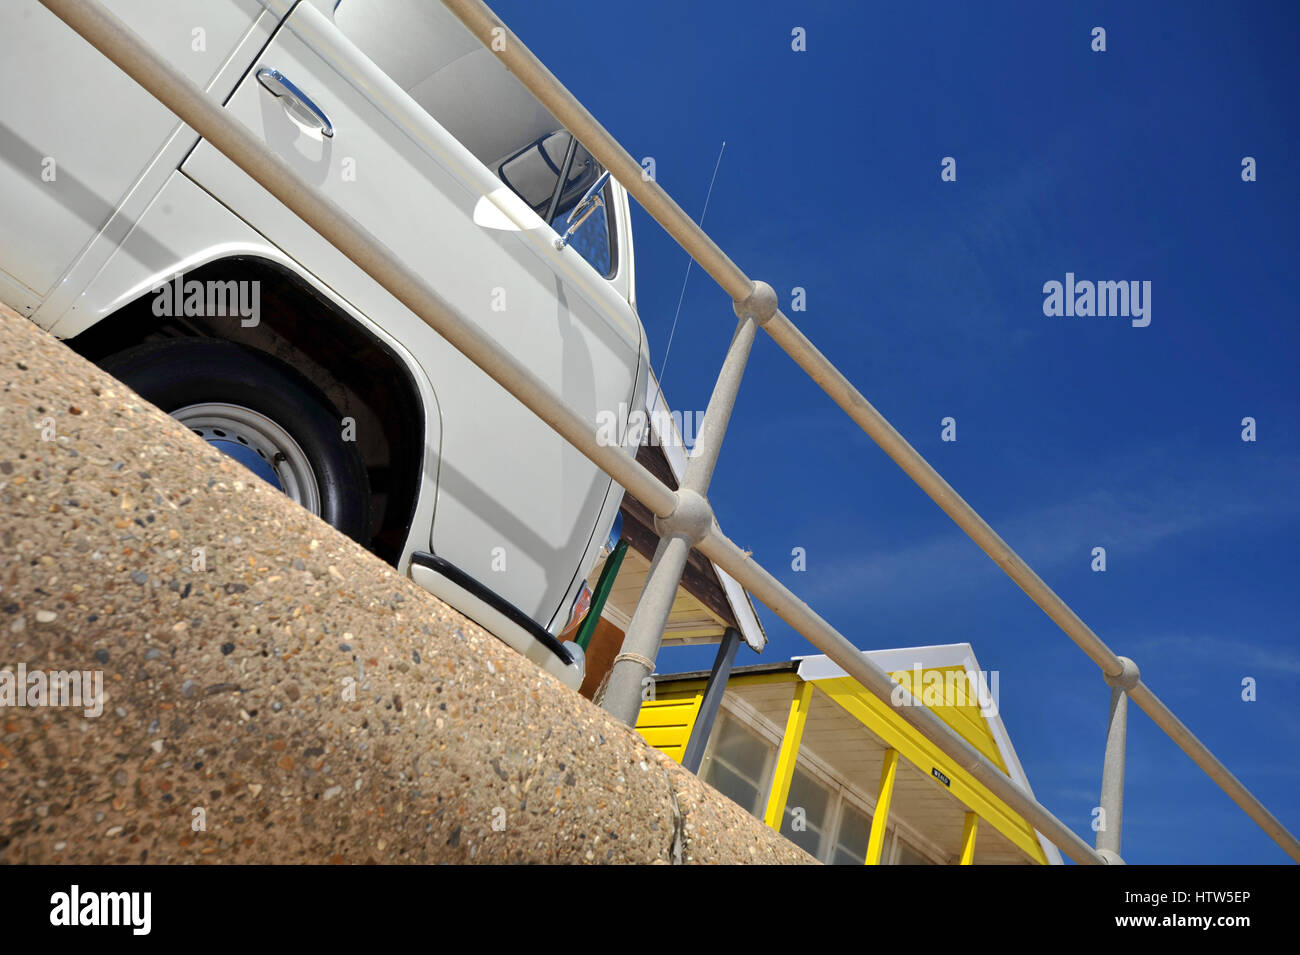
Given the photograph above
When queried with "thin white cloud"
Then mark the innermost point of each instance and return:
(1250, 657)
(1145, 504)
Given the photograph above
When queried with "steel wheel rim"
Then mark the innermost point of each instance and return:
(219, 422)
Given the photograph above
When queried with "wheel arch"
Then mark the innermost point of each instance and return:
(363, 376)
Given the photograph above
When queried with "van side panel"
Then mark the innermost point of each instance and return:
(76, 132)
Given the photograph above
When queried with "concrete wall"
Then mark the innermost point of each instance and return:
(295, 695)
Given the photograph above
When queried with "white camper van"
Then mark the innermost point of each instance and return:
(125, 234)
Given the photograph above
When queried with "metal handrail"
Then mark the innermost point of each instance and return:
(686, 511)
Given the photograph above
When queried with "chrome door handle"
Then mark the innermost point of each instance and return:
(299, 103)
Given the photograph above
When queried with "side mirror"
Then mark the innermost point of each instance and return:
(590, 202)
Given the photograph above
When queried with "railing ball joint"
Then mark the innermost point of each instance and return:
(1111, 858)
(1127, 677)
(692, 518)
(760, 304)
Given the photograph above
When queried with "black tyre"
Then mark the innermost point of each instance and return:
(263, 414)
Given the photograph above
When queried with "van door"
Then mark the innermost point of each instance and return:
(516, 505)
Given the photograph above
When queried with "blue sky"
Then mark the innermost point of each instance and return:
(1071, 432)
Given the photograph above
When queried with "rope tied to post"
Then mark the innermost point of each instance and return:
(636, 658)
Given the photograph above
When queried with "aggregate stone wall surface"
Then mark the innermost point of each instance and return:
(271, 692)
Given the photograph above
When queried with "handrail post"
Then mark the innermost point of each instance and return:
(689, 522)
(1112, 772)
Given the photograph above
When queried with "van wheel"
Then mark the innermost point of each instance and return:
(263, 414)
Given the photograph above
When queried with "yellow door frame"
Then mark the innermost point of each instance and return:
(968, 833)
(880, 817)
(787, 755)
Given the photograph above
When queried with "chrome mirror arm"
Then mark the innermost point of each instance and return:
(589, 203)
(563, 180)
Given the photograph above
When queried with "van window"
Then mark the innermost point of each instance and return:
(592, 238)
(534, 174)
